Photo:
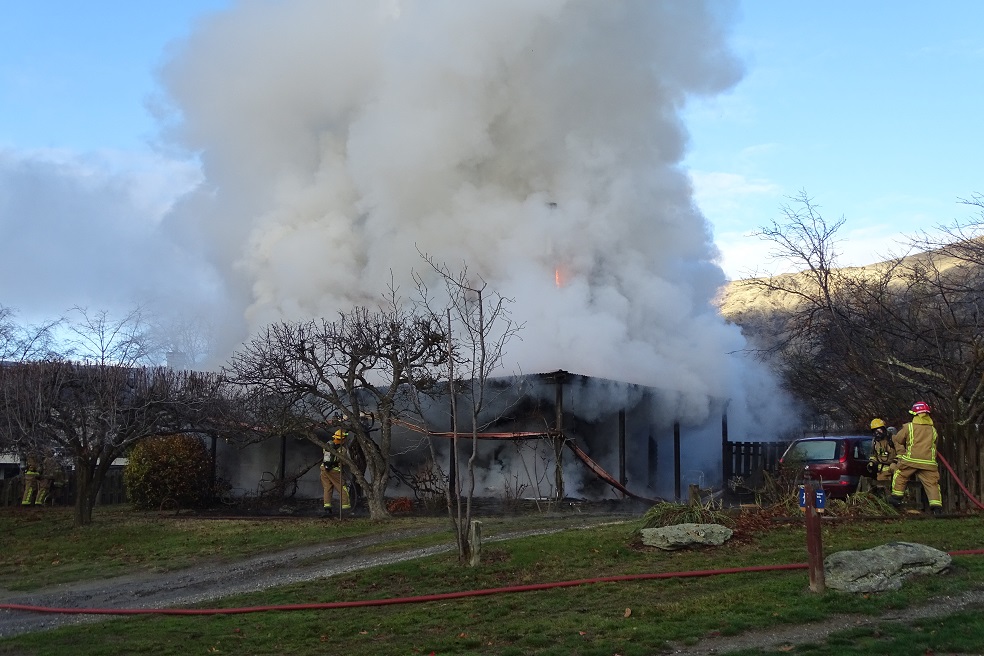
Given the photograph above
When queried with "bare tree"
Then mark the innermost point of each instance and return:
(320, 375)
(960, 240)
(94, 400)
(860, 341)
(24, 343)
(805, 328)
(479, 326)
(182, 343)
(98, 337)
(20, 344)
(96, 412)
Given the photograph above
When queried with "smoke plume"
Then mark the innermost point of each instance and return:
(537, 141)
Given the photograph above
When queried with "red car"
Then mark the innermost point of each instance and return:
(838, 462)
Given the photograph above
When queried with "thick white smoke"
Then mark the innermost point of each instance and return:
(537, 141)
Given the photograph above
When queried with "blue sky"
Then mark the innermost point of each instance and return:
(78, 75)
(873, 108)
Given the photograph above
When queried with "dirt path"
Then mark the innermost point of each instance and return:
(209, 582)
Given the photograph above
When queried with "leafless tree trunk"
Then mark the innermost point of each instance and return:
(479, 327)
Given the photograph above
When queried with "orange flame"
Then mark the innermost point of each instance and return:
(560, 277)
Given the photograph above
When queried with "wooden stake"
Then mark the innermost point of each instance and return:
(814, 541)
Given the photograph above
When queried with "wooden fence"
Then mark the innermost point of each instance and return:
(963, 448)
(746, 462)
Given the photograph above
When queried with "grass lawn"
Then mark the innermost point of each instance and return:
(635, 617)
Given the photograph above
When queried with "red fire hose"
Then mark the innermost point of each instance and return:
(959, 482)
(422, 598)
(399, 600)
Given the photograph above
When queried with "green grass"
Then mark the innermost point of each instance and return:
(627, 618)
(959, 633)
(41, 547)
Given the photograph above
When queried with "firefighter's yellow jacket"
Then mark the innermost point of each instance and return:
(916, 443)
(883, 458)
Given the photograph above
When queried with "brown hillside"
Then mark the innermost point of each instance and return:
(740, 298)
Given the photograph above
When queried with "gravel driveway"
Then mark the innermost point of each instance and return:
(209, 582)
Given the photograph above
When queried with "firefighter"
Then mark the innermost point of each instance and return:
(916, 445)
(331, 473)
(32, 470)
(883, 459)
(52, 475)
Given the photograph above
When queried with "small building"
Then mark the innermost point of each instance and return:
(609, 439)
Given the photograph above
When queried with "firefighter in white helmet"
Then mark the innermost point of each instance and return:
(331, 473)
(916, 445)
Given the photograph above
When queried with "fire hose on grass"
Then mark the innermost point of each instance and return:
(426, 598)
(456, 595)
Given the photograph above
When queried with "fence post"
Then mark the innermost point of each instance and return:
(814, 540)
(475, 539)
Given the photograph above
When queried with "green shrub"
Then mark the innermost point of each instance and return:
(168, 472)
(668, 514)
(863, 504)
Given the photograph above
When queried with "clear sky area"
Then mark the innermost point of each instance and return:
(872, 108)
(79, 75)
(264, 136)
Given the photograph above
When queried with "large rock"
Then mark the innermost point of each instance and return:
(679, 536)
(882, 568)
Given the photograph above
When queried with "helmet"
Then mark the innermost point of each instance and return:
(877, 423)
(919, 408)
(338, 436)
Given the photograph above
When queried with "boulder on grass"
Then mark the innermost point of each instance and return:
(882, 568)
(680, 536)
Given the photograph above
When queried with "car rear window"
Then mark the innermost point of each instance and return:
(814, 450)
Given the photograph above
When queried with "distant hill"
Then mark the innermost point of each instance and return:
(740, 300)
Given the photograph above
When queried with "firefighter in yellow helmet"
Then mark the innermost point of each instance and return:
(883, 459)
(331, 473)
(916, 444)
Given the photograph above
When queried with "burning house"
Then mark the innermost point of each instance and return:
(550, 435)
(542, 146)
